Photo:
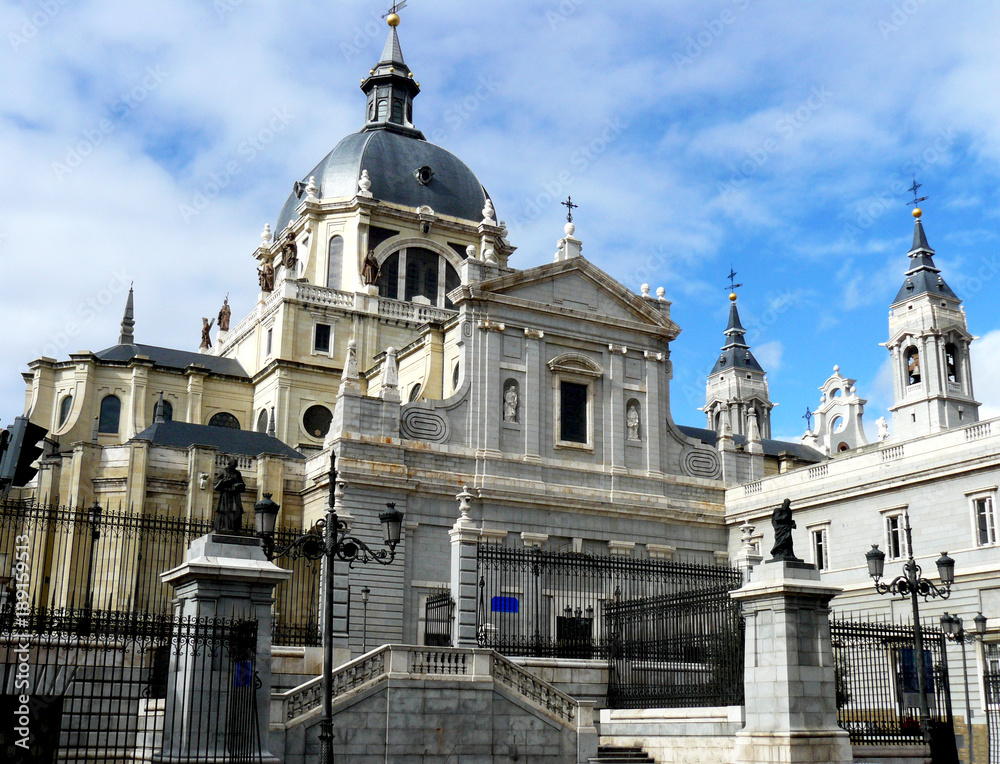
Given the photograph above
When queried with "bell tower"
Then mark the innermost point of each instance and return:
(929, 345)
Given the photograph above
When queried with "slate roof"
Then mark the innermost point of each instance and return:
(922, 277)
(800, 451)
(228, 441)
(736, 352)
(174, 359)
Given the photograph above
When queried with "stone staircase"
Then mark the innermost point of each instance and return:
(608, 754)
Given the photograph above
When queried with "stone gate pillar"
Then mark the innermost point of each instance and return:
(791, 707)
(464, 585)
(224, 577)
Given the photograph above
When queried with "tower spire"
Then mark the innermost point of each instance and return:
(127, 336)
(390, 86)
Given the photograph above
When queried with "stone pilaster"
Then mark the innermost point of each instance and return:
(651, 421)
(533, 394)
(615, 415)
(464, 586)
(791, 708)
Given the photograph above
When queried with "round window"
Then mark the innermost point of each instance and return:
(317, 420)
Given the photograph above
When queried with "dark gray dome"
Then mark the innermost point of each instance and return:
(391, 159)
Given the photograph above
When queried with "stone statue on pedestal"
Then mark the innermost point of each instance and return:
(230, 487)
(370, 269)
(225, 314)
(206, 333)
(783, 523)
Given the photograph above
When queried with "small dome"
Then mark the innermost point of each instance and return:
(393, 161)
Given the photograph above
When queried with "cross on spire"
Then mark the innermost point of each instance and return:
(396, 8)
(913, 189)
(568, 204)
(732, 280)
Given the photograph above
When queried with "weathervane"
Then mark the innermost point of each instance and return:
(732, 280)
(808, 416)
(394, 11)
(568, 204)
(913, 188)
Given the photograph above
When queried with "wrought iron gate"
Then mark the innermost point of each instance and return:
(677, 651)
(438, 614)
(991, 685)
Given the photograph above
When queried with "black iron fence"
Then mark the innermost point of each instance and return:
(110, 562)
(991, 690)
(875, 667)
(533, 602)
(676, 651)
(438, 614)
(131, 688)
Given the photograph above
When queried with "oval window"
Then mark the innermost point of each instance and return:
(317, 420)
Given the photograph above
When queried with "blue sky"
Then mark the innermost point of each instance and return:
(151, 142)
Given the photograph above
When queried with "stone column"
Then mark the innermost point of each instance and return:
(534, 389)
(791, 708)
(464, 584)
(223, 577)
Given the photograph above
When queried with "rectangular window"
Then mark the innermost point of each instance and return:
(573, 412)
(820, 549)
(270, 336)
(986, 520)
(895, 537)
(321, 339)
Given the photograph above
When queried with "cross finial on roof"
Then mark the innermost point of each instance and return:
(913, 189)
(808, 416)
(732, 280)
(568, 204)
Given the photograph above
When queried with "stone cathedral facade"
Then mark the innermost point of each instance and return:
(393, 327)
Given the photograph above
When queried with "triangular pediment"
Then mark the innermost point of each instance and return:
(576, 287)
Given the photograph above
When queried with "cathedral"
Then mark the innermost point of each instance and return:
(393, 328)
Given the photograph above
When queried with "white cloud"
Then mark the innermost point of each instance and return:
(769, 355)
(985, 373)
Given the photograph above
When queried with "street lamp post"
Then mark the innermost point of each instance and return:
(365, 593)
(94, 521)
(912, 584)
(329, 542)
(954, 630)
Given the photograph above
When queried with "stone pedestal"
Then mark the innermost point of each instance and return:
(224, 577)
(791, 708)
(464, 586)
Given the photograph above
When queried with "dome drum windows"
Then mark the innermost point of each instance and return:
(417, 274)
(316, 421)
(110, 416)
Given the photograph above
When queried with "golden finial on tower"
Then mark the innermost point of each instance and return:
(917, 212)
(732, 296)
(392, 17)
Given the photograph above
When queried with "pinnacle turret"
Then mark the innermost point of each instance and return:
(127, 336)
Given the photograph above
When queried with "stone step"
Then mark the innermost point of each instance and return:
(607, 754)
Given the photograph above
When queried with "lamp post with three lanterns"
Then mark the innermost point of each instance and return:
(328, 541)
(912, 584)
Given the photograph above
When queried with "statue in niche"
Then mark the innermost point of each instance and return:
(290, 256)
(230, 487)
(632, 421)
(225, 314)
(510, 401)
(783, 523)
(370, 269)
(266, 276)
(206, 333)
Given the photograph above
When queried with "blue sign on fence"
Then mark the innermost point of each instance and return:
(909, 656)
(242, 674)
(504, 605)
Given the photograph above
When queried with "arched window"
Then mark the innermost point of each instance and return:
(224, 419)
(397, 110)
(388, 277)
(912, 366)
(951, 361)
(262, 421)
(111, 411)
(335, 262)
(317, 420)
(423, 269)
(422, 274)
(64, 408)
(415, 392)
(167, 411)
(383, 110)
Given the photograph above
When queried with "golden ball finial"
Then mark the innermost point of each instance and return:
(392, 19)
(917, 212)
(732, 296)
